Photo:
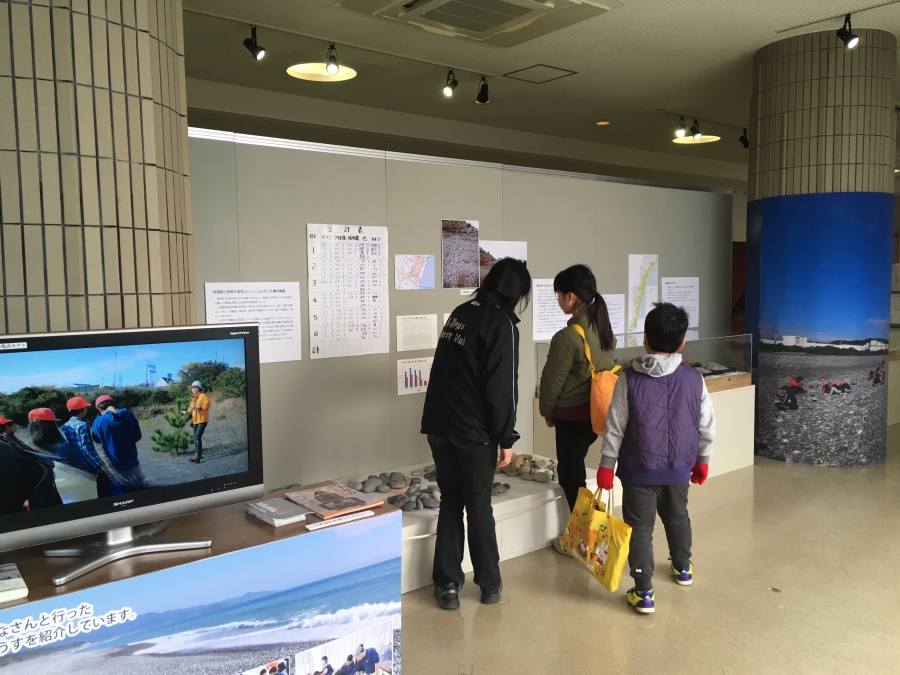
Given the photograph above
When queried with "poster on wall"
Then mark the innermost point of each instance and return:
(643, 288)
(415, 333)
(348, 290)
(489, 252)
(547, 317)
(413, 272)
(233, 613)
(684, 292)
(615, 306)
(275, 306)
(413, 375)
(823, 337)
(460, 260)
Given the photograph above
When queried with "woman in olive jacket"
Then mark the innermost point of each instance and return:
(565, 390)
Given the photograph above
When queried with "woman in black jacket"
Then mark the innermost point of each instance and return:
(470, 411)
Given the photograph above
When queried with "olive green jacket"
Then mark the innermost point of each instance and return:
(566, 379)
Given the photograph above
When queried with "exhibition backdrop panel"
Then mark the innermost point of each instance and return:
(329, 417)
(818, 294)
(283, 602)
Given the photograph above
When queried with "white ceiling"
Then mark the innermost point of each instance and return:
(689, 56)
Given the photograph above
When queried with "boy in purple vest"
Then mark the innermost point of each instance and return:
(660, 429)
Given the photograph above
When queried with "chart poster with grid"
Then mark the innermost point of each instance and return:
(348, 290)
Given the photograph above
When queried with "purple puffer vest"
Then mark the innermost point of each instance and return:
(661, 439)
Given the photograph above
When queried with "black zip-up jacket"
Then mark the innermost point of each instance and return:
(474, 388)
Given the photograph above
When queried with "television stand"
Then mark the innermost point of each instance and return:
(123, 542)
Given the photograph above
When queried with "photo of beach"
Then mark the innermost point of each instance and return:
(222, 615)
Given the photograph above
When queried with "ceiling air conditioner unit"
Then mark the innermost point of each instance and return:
(501, 23)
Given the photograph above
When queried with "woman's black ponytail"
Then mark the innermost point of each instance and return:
(579, 280)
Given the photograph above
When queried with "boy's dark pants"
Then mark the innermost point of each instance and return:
(640, 504)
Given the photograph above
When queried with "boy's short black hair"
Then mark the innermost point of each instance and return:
(665, 327)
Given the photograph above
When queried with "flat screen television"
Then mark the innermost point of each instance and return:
(99, 433)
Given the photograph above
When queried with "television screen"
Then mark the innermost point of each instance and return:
(85, 423)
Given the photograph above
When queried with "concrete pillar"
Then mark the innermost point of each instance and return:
(819, 233)
(94, 195)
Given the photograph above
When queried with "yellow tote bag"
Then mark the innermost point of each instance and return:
(597, 539)
(602, 385)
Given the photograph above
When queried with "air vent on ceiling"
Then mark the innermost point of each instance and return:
(502, 23)
(539, 74)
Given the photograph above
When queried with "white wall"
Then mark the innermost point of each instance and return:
(336, 417)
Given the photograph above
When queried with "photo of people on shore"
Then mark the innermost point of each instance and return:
(369, 651)
(79, 424)
(823, 337)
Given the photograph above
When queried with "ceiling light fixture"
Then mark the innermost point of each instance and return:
(691, 140)
(331, 61)
(695, 130)
(256, 49)
(682, 129)
(484, 96)
(846, 34)
(451, 83)
(602, 123)
(744, 140)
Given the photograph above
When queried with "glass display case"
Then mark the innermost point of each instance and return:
(724, 361)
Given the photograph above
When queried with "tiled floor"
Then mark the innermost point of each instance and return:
(796, 571)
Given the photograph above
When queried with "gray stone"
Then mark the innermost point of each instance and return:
(419, 505)
(416, 472)
(510, 470)
(398, 484)
(525, 470)
(555, 476)
(436, 494)
(432, 486)
(384, 478)
(383, 488)
(543, 476)
(397, 476)
(430, 503)
(527, 476)
(415, 481)
(500, 488)
(413, 489)
(372, 475)
(371, 484)
(409, 506)
(541, 463)
(353, 485)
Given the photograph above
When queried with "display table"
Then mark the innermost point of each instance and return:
(260, 597)
(527, 517)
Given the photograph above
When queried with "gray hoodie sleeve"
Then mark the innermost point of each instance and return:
(616, 422)
(707, 427)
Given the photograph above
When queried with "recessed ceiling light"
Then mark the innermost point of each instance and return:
(692, 140)
(602, 123)
(318, 72)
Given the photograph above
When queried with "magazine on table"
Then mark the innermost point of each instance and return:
(276, 511)
(331, 501)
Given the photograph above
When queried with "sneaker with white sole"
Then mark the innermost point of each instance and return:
(683, 576)
(642, 601)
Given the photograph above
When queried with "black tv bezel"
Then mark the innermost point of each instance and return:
(103, 506)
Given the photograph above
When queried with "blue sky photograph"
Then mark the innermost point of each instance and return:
(827, 273)
(125, 365)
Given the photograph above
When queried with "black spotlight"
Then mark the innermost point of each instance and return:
(744, 140)
(451, 83)
(682, 129)
(695, 130)
(846, 34)
(331, 61)
(483, 97)
(250, 43)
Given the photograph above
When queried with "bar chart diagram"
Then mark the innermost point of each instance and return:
(413, 375)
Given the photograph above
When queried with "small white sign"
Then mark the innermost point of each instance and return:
(684, 292)
(415, 333)
(413, 375)
(547, 317)
(274, 305)
(8, 346)
(615, 305)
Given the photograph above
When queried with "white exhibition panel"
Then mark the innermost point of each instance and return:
(253, 198)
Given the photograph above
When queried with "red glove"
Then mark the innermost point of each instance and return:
(605, 478)
(699, 473)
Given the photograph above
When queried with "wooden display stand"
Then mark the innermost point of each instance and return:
(238, 540)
